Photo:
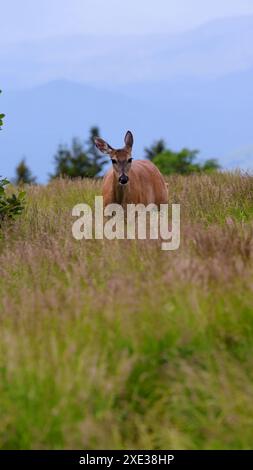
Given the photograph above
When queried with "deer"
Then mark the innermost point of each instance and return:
(131, 181)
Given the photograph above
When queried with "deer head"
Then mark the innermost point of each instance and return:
(121, 158)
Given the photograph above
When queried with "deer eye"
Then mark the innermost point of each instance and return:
(129, 160)
(114, 161)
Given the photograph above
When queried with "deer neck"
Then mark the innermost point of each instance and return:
(120, 191)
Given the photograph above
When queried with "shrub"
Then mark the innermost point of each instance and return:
(181, 162)
(10, 206)
(1, 117)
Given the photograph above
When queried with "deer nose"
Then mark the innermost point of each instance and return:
(123, 179)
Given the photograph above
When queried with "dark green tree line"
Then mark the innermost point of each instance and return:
(79, 160)
(183, 162)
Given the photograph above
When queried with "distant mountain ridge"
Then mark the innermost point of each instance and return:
(194, 89)
(214, 49)
(215, 117)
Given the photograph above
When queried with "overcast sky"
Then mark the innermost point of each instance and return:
(28, 19)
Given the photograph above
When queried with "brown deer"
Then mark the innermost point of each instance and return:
(128, 181)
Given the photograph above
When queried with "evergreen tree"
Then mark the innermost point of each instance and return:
(72, 162)
(158, 147)
(23, 174)
(97, 160)
(77, 161)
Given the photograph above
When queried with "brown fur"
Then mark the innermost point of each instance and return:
(146, 184)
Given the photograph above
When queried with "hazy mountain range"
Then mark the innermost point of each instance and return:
(194, 89)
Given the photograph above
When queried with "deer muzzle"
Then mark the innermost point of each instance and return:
(123, 179)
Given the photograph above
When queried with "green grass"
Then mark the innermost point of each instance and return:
(117, 344)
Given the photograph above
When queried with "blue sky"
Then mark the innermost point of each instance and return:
(31, 19)
(198, 84)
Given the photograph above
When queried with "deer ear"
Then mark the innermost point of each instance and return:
(129, 140)
(102, 145)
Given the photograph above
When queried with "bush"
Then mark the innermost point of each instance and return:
(10, 206)
(1, 120)
(183, 162)
(1, 117)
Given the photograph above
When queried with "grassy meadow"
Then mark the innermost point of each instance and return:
(118, 344)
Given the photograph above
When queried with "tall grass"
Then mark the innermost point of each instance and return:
(117, 344)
